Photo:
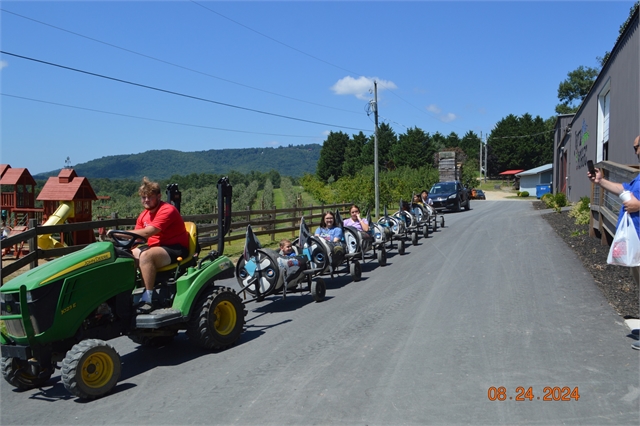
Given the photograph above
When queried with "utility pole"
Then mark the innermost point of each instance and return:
(480, 161)
(375, 148)
(486, 165)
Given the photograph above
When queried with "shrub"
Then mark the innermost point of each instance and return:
(560, 199)
(581, 212)
(523, 194)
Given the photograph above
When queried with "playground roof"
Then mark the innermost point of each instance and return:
(67, 186)
(510, 172)
(3, 168)
(16, 176)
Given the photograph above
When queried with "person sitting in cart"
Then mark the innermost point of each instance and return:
(286, 248)
(424, 197)
(356, 221)
(332, 233)
(167, 239)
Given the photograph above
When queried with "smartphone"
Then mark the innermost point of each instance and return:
(592, 170)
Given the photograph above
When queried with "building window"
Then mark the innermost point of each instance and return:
(604, 103)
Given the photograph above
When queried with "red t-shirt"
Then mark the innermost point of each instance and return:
(168, 220)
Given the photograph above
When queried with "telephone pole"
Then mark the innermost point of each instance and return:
(375, 148)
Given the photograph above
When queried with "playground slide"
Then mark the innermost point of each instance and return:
(46, 242)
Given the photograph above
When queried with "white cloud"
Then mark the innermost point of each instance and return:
(445, 118)
(448, 117)
(326, 132)
(361, 86)
(434, 109)
(3, 64)
(272, 143)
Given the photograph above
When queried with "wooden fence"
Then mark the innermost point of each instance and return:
(264, 222)
(605, 206)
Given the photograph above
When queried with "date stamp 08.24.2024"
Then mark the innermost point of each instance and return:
(549, 393)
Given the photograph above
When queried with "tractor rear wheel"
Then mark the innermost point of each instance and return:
(18, 374)
(217, 319)
(91, 369)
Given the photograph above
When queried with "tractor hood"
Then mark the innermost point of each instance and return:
(89, 257)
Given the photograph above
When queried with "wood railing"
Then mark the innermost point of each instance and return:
(264, 222)
(605, 206)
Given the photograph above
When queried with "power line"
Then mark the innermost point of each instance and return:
(179, 94)
(522, 136)
(155, 119)
(177, 65)
(273, 39)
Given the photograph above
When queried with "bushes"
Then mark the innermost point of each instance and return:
(555, 201)
(581, 212)
(523, 194)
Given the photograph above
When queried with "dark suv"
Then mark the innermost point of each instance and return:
(450, 196)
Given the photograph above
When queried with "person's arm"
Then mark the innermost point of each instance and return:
(632, 205)
(364, 224)
(598, 179)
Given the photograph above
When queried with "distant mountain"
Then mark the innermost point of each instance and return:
(292, 160)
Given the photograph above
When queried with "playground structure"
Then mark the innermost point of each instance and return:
(67, 197)
(17, 202)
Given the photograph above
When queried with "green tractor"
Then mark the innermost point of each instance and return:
(67, 309)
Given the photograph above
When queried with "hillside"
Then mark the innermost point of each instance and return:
(292, 160)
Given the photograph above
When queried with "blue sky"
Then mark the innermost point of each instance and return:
(441, 66)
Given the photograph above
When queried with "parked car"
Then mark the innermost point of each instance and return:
(479, 194)
(450, 196)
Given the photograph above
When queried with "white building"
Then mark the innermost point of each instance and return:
(531, 179)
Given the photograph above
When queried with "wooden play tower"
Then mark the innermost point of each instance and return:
(18, 195)
(77, 193)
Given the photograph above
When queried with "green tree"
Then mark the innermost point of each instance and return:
(520, 143)
(410, 149)
(386, 139)
(470, 144)
(267, 195)
(572, 91)
(353, 154)
(332, 156)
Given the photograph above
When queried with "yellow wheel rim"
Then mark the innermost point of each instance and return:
(225, 318)
(97, 370)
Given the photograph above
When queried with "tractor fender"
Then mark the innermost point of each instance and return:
(191, 285)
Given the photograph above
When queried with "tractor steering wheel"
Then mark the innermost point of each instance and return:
(125, 239)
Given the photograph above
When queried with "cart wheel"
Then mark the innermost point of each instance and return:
(425, 231)
(91, 369)
(356, 270)
(435, 224)
(442, 222)
(318, 289)
(382, 257)
(401, 247)
(414, 238)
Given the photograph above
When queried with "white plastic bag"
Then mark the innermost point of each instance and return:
(625, 249)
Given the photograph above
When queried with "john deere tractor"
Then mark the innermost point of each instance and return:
(66, 310)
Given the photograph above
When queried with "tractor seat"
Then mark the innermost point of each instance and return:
(193, 243)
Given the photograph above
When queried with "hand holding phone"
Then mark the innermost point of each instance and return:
(592, 170)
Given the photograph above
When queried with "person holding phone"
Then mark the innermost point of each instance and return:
(631, 205)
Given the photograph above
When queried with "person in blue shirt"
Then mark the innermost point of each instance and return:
(632, 205)
(328, 229)
(333, 234)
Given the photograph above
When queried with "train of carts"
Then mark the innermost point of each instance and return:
(65, 311)
(264, 271)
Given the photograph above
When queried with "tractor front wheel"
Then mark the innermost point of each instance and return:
(18, 373)
(91, 369)
(217, 320)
